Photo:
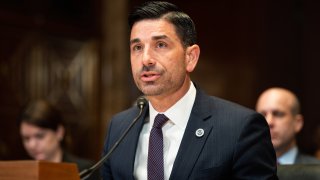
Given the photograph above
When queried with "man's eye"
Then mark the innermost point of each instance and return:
(137, 48)
(161, 45)
(278, 113)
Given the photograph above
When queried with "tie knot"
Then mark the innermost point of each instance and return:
(160, 120)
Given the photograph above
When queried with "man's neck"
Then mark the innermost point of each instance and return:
(162, 103)
(281, 151)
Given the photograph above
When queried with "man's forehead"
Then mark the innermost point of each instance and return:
(153, 27)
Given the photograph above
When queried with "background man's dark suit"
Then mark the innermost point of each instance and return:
(305, 159)
(305, 167)
(236, 144)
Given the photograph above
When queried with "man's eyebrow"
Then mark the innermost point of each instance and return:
(159, 37)
(136, 40)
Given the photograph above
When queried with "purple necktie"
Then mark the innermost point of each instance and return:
(155, 153)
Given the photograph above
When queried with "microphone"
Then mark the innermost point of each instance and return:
(86, 173)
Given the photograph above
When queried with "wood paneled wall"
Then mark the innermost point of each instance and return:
(76, 54)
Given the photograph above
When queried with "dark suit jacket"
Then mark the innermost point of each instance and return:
(236, 144)
(306, 159)
(299, 172)
(305, 167)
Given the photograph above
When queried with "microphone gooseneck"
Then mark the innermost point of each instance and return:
(86, 173)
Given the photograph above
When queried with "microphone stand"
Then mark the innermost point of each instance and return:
(86, 173)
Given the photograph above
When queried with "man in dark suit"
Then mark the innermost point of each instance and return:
(281, 108)
(183, 133)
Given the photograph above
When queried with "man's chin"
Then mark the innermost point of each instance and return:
(150, 90)
(277, 146)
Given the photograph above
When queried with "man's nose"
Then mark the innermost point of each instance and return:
(270, 119)
(148, 58)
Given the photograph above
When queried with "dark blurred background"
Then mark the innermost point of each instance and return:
(75, 53)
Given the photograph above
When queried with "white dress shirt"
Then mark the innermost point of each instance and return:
(173, 132)
(288, 157)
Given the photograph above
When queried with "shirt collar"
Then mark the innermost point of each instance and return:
(180, 112)
(289, 157)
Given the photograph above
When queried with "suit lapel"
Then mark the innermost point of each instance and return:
(130, 144)
(191, 144)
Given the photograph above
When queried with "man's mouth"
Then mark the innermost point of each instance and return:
(149, 76)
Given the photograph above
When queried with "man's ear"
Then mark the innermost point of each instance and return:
(192, 57)
(299, 123)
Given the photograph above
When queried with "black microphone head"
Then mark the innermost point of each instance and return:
(141, 102)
